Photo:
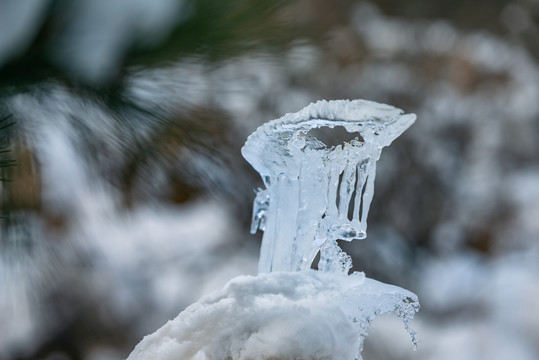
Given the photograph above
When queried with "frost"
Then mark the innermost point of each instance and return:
(315, 195)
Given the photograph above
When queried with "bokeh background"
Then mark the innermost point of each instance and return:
(129, 198)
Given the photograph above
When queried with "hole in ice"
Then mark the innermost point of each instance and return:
(338, 197)
(362, 195)
(352, 203)
(337, 135)
(316, 260)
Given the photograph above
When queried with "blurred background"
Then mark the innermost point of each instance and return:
(125, 197)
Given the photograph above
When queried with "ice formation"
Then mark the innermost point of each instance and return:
(315, 195)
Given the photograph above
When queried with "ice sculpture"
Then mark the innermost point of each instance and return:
(315, 195)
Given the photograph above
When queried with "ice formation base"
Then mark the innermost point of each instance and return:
(280, 315)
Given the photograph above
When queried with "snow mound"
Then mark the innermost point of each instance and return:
(279, 315)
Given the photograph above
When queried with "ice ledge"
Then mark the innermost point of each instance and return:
(380, 123)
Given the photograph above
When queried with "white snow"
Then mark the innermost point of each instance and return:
(280, 315)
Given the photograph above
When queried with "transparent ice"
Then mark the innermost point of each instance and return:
(315, 195)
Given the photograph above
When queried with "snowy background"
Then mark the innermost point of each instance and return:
(130, 198)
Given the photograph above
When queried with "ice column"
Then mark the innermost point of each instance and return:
(317, 194)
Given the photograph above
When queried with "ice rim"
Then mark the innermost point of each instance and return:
(317, 194)
(368, 114)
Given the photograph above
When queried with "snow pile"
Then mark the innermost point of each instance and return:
(279, 315)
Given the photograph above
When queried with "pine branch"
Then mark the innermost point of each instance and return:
(5, 163)
(4, 119)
